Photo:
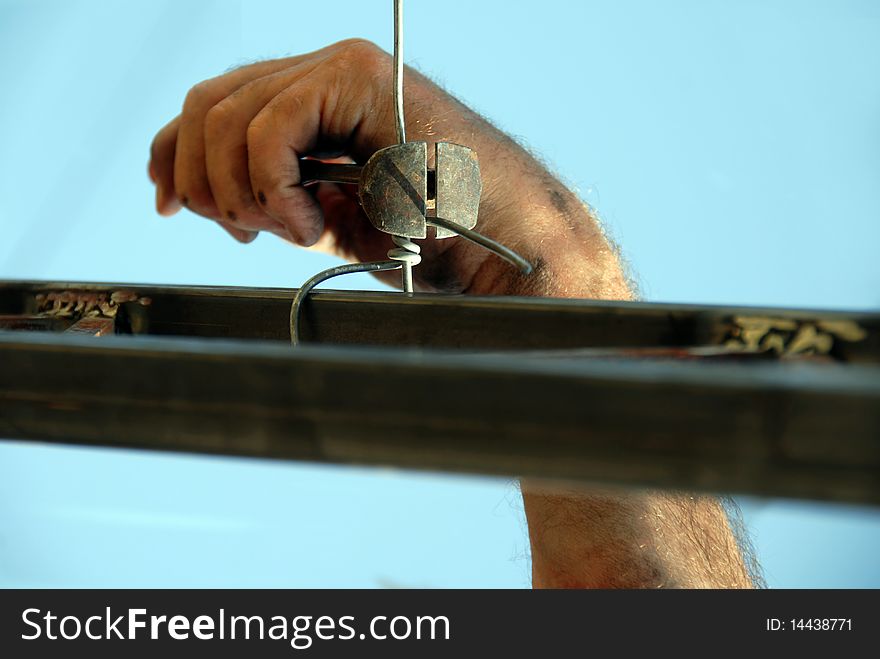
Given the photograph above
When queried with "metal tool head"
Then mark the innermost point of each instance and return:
(394, 189)
(396, 195)
(458, 186)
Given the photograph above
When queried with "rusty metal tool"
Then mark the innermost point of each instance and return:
(402, 197)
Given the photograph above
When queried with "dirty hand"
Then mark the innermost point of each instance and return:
(232, 156)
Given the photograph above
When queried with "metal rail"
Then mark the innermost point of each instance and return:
(799, 428)
(437, 321)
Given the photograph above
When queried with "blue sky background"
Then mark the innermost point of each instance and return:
(732, 148)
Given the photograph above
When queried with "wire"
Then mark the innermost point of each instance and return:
(404, 245)
(349, 268)
(398, 71)
(496, 248)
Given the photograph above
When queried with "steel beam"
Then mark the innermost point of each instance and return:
(793, 429)
(440, 321)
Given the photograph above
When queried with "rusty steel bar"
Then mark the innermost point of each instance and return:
(445, 321)
(797, 429)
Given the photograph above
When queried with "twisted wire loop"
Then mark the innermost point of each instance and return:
(409, 255)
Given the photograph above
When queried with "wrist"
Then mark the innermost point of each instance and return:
(561, 236)
(527, 209)
(522, 206)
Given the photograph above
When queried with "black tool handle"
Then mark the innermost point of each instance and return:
(313, 171)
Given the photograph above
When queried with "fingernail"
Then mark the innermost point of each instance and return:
(242, 236)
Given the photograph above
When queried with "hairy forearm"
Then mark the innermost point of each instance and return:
(590, 538)
(523, 206)
(630, 539)
(615, 538)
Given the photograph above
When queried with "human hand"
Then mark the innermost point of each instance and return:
(233, 153)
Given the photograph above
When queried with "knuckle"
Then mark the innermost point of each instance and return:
(270, 124)
(360, 55)
(356, 43)
(254, 134)
(217, 119)
(194, 96)
(201, 96)
(262, 174)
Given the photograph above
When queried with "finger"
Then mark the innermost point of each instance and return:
(161, 167)
(191, 183)
(332, 103)
(226, 153)
(241, 235)
(282, 131)
(163, 147)
(190, 179)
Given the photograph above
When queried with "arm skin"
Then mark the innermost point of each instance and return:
(232, 155)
